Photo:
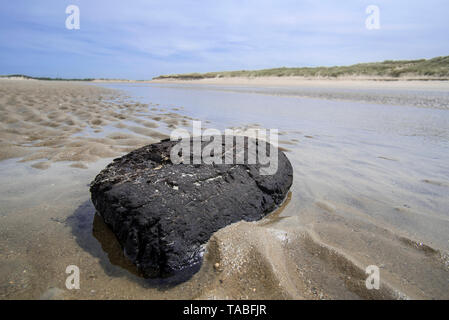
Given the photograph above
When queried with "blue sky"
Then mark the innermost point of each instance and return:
(142, 39)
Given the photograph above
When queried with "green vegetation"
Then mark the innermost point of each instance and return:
(432, 69)
(436, 68)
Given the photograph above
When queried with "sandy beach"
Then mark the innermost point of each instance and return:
(363, 192)
(342, 82)
(392, 91)
(224, 154)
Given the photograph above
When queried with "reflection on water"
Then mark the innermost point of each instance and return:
(373, 157)
(95, 237)
(334, 118)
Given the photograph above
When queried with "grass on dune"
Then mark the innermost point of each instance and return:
(432, 68)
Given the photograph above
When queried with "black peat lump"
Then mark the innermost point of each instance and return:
(164, 213)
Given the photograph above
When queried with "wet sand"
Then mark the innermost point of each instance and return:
(354, 82)
(424, 94)
(355, 201)
(46, 122)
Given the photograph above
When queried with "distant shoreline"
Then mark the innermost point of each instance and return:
(243, 80)
(435, 69)
(312, 82)
(252, 78)
(422, 69)
(287, 83)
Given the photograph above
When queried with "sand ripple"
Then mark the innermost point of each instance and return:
(62, 121)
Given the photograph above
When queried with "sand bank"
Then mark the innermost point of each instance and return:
(380, 83)
(418, 93)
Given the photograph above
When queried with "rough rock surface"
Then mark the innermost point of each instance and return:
(164, 213)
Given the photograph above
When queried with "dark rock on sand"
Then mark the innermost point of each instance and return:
(164, 213)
